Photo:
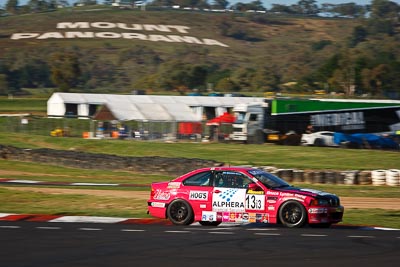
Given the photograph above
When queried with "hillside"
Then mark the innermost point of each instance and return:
(117, 50)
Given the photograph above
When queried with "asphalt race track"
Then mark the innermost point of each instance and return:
(44, 244)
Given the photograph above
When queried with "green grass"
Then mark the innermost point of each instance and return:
(13, 201)
(24, 105)
(234, 154)
(372, 217)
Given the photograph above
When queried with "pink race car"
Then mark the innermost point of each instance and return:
(241, 195)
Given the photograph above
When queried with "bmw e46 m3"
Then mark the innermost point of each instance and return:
(211, 196)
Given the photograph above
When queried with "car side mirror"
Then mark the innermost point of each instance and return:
(253, 187)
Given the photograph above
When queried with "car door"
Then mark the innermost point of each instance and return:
(231, 198)
(198, 192)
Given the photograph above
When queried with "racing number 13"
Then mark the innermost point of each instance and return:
(255, 202)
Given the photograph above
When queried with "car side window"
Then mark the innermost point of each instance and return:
(199, 179)
(231, 179)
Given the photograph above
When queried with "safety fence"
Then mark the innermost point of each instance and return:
(130, 130)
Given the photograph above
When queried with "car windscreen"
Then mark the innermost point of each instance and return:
(268, 179)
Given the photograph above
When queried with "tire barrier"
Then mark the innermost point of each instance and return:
(378, 177)
(393, 177)
(330, 177)
(78, 159)
(364, 178)
(286, 174)
(350, 177)
(298, 176)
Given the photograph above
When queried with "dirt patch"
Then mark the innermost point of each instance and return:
(347, 202)
(370, 203)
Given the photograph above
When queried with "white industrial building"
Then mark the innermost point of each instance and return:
(142, 107)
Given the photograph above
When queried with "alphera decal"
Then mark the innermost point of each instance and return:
(229, 199)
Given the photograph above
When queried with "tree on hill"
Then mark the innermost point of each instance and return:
(12, 6)
(384, 9)
(351, 10)
(306, 7)
(65, 70)
(220, 4)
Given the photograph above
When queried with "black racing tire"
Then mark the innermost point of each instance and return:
(319, 142)
(179, 212)
(292, 214)
(259, 137)
(207, 223)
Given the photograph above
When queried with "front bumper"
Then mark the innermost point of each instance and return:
(325, 214)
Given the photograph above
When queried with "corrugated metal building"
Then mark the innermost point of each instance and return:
(141, 107)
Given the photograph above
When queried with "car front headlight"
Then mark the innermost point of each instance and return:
(319, 202)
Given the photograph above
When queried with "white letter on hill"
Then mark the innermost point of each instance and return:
(17, 36)
(157, 38)
(73, 25)
(185, 39)
(213, 42)
(79, 35)
(128, 35)
(47, 35)
(103, 25)
(160, 28)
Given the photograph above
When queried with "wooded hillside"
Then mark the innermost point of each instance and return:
(112, 50)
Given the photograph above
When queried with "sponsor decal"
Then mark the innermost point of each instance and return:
(208, 216)
(245, 217)
(293, 198)
(255, 192)
(238, 217)
(198, 195)
(271, 208)
(232, 217)
(161, 195)
(158, 204)
(230, 199)
(317, 210)
(255, 202)
(265, 218)
(226, 216)
(174, 185)
(286, 194)
(203, 206)
(252, 217)
(347, 120)
(272, 200)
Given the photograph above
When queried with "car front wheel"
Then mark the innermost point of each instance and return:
(179, 212)
(292, 214)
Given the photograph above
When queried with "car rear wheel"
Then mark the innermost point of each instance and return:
(319, 142)
(292, 214)
(179, 212)
(207, 223)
